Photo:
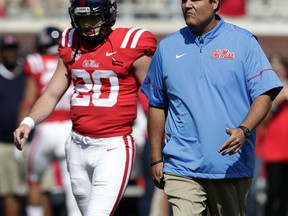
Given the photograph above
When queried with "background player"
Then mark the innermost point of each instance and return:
(106, 67)
(12, 176)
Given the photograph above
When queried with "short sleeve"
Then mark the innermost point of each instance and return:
(153, 86)
(260, 75)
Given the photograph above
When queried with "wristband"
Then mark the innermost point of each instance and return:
(28, 121)
(156, 162)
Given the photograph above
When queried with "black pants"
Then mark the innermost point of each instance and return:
(277, 189)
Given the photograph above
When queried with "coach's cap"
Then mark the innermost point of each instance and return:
(9, 41)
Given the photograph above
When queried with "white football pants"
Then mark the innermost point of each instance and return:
(99, 170)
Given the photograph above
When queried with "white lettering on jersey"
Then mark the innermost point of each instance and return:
(114, 89)
(81, 96)
(90, 63)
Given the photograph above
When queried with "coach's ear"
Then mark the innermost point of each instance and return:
(216, 4)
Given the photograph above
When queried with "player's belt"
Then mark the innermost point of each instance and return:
(79, 139)
(85, 139)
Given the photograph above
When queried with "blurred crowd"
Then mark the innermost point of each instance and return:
(39, 9)
(34, 8)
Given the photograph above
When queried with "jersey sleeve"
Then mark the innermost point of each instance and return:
(138, 42)
(65, 43)
(33, 64)
(64, 39)
(147, 43)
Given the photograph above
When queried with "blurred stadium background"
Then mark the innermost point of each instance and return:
(267, 19)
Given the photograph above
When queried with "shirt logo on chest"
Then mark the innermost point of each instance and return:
(180, 55)
(222, 54)
(90, 63)
(110, 54)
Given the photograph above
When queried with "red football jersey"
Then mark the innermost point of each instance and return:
(104, 102)
(41, 68)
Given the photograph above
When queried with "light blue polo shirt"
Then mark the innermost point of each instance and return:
(208, 84)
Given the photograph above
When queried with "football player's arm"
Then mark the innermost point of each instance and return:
(140, 67)
(45, 104)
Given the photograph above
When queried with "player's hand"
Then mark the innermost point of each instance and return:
(157, 175)
(234, 143)
(21, 134)
(19, 156)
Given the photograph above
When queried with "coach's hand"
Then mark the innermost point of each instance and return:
(157, 175)
(234, 143)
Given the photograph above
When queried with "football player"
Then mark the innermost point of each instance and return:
(106, 67)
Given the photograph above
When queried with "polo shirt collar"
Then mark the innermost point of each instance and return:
(205, 39)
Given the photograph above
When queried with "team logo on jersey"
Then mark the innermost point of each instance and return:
(90, 63)
(78, 55)
(222, 54)
(110, 53)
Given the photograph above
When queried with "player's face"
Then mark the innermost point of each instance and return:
(198, 14)
(91, 23)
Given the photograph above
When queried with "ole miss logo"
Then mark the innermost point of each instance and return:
(222, 54)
